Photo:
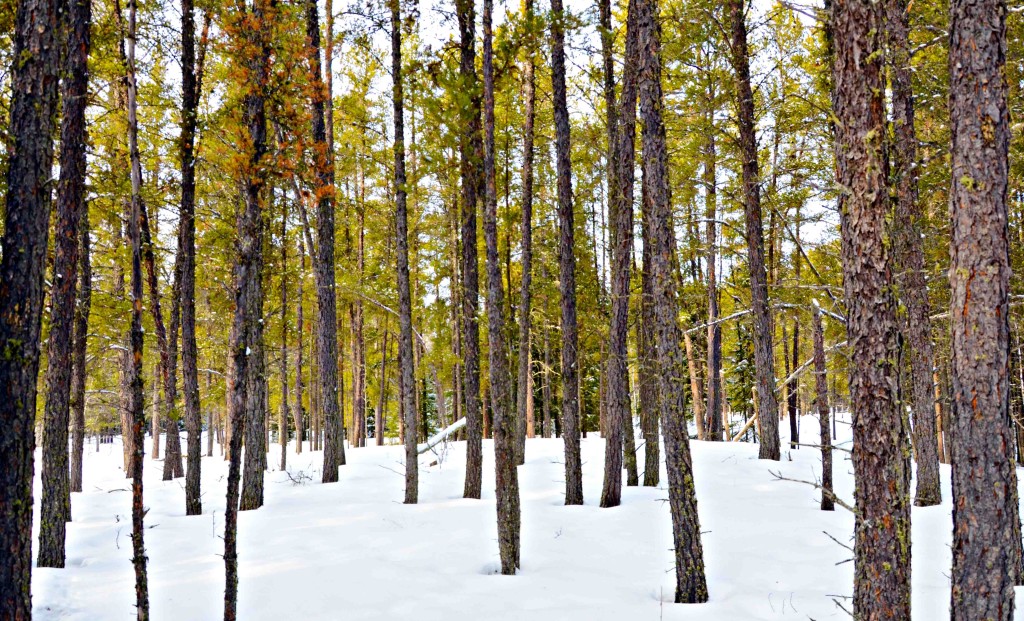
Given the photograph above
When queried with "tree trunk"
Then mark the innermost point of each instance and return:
(282, 420)
(621, 164)
(648, 363)
(524, 400)
(408, 384)
(506, 483)
(379, 418)
(82, 308)
(698, 400)
(691, 585)
(880, 450)
(55, 504)
(714, 379)
(567, 265)
(300, 423)
(191, 81)
(909, 257)
(764, 358)
(469, 146)
(986, 521)
(545, 388)
(323, 260)
(135, 225)
(821, 401)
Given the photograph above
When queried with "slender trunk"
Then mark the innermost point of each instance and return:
(880, 450)
(545, 388)
(247, 325)
(82, 309)
(524, 384)
(567, 264)
(821, 401)
(506, 481)
(300, 422)
(379, 418)
(691, 369)
(282, 419)
(764, 359)
(648, 372)
(691, 585)
(714, 369)
(135, 374)
(621, 160)
(55, 505)
(909, 257)
(323, 259)
(191, 81)
(469, 146)
(986, 521)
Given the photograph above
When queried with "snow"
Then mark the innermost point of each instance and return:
(352, 550)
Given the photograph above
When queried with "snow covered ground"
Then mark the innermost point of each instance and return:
(351, 550)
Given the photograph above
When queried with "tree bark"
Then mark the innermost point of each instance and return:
(764, 358)
(404, 295)
(191, 82)
(469, 146)
(714, 379)
(33, 108)
(545, 388)
(300, 419)
(621, 160)
(821, 401)
(691, 584)
(909, 257)
(506, 483)
(136, 407)
(284, 413)
(986, 523)
(567, 264)
(55, 504)
(524, 400)
(323, 259)
(83, 306)
(880, 449)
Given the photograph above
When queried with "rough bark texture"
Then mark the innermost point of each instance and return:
(691, 585)
(567, 265)
(524, 400)
(323, 260)
(648, 373)
(83, 306)
(246, 337)
(26, 228)
(714, 392)
(986, 524)
(909, 257)
(621, 138)
(300, 410)
(880, 448)
(506, 481)
(55, 504)
(821, 401)
(764, 358)
(469, 141)
(404, 295)
(191, 82)
(136, 405)
(284, 412)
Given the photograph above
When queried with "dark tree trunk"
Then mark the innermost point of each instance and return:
(880, 449)
(247, 333)
(282, 419)
(323, 260)
(545, 388)
(524, 400)
(191, 82)
(646, 346)
(986, 523)
(821, 401)
(300, 422)
(714, 394)
(136, 407)
(621, 158)
(506, 481)
(82, 309)
(691, 585)
(33, 108)
(764, 358)
(909, 258)
(469, 145)
(404, 295)
(382, 399)
(792, 388)
(55, 505)
(567, 265)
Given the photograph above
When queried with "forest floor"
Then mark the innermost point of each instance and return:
(351, 550)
